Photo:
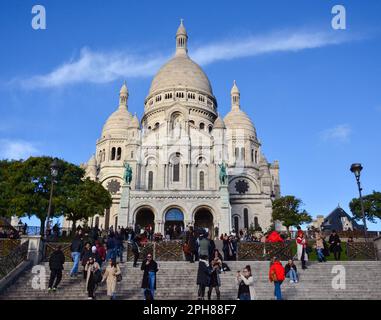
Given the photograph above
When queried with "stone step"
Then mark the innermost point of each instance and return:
(177, 281)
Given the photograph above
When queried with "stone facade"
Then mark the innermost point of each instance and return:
(175, 153)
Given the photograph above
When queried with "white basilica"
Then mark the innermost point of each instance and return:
(176, 153)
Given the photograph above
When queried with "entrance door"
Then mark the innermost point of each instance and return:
(174, 223)
(144, 218)
(204, 219)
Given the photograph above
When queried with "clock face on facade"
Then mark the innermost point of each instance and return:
(241, 186)
(113, 186)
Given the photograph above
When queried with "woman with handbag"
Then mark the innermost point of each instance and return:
(93, 277)
(112, 275)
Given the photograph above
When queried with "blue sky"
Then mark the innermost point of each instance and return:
(313, 92)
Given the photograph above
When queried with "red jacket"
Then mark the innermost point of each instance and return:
(274, 237)
(277, 270)
(102, 252)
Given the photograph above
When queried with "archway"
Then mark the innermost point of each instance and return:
(144, 218)
(203, 219)
(174, 223)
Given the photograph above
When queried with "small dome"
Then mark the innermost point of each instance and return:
(219, 123)
(238, 119)
(135, 122)
(181, 71)
(118, 122)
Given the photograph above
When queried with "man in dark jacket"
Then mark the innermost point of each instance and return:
(149, 266)
(76, 249)
(56, 261)
(203, 276)
(335, 245)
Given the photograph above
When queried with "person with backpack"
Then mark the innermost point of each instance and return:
(277, 276)
(150, 268)
(56, 261)
(76, 248)
(93, 277)
(112, 275)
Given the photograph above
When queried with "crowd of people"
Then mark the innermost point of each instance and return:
(9, 233)
(99, 254)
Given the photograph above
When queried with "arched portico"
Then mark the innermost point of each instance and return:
(203, 217)
(143, 217)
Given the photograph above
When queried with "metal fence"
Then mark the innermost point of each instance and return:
(13, 259)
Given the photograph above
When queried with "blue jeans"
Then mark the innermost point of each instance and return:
(151, 284)
(292, 275)
(111, 254)
(75, 256)
(119, 253)
(320, 254)
(244, 296)
(277, 290)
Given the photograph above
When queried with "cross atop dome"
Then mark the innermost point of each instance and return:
(181, 39)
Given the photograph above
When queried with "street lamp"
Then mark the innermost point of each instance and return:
(54, 172)
(356, 170)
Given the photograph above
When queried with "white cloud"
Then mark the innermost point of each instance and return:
(103, 67)
(277, 42)
(17, 149)
(340, 133)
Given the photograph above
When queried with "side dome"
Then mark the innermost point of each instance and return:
(182, 72)
(238, 119)
(117, 123)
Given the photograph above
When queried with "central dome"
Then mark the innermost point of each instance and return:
(181, 71)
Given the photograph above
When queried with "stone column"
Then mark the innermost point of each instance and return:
(124, 206)
(225, 211)
(35, 248)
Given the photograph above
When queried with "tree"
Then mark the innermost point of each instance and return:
(12, 201)
(84, 200)
(36, 186)
(287, 210)
(27, 186)
(25, 190)
(372, 207)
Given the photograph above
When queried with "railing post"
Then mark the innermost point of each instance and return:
(35, 248)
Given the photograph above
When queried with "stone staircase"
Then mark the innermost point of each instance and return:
(177, 281)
